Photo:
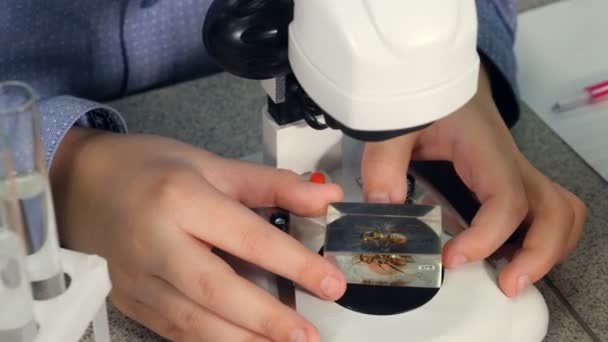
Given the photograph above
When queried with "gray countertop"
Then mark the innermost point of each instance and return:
(221, 113)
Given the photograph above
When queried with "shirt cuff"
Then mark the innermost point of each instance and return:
(495, 44)
(59, 114)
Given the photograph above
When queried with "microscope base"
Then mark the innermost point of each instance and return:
(469, 306)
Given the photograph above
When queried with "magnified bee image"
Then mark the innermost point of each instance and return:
(383, 261)
(384, 236)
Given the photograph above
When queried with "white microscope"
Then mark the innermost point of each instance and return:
(341, 72)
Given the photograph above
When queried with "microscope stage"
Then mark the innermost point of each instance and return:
(468, 307)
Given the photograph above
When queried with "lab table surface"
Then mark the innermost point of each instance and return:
(222, 114)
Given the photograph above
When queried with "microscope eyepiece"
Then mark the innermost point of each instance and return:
(249, 38)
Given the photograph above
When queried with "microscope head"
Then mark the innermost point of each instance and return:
(382, 68)
(373, 69)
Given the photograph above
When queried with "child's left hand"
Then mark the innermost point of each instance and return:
(509, 188)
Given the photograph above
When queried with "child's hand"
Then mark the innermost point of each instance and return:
(509, 188)
(155, 208)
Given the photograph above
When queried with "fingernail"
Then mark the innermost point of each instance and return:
(298, 336)
(522, 283)
(377, 197)
(330, 286)
(458, 260)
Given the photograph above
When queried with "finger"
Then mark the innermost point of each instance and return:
(211, 216)
(495, 221)
(205, 278)
(552, 222)
(384, 168)
(504, 206)
(186, 318)
(261, 186)
(451, 221)
(580, 216)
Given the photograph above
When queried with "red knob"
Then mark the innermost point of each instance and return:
(317, 177)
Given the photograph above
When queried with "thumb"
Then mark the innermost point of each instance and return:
(384, 169)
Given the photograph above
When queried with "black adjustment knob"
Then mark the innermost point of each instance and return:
(242, 8)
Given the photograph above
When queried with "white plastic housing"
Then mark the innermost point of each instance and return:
(65, 318)
(385, 65)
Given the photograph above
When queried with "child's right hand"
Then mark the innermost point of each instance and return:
(155, 208)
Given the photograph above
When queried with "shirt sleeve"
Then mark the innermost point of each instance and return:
(496, 37)
(59, 114)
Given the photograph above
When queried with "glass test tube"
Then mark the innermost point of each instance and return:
(19, 123)
(17, 320)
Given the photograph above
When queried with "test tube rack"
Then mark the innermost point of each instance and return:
(66, 318)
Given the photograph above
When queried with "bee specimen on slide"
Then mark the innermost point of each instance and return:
(385, 237)
(393, 261)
